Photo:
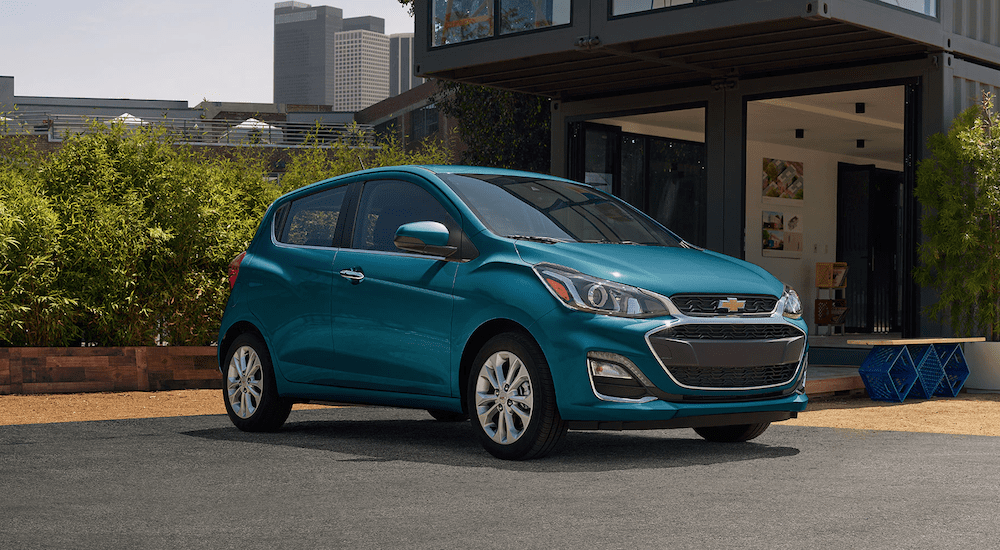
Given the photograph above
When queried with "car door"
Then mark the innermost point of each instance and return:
(392, 310)
(292, 281)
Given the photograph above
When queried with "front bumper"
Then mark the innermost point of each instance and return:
(678, 380)
(730, 419)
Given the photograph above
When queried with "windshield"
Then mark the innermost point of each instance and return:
(553, 211)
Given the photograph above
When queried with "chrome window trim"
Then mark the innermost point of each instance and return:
(775, 318)
(279, 244)
(402, 254)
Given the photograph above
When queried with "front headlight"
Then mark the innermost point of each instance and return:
(793, 305)
(586, 293)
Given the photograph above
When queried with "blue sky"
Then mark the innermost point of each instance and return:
(191, 50)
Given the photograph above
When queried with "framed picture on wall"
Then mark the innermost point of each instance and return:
(781, 234)
(782, 179)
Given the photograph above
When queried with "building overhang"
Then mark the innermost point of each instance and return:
(715, 43)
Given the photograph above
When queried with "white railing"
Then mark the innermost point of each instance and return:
(197, 131)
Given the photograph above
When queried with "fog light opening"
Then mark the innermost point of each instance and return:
(616, 378)
(607, 369)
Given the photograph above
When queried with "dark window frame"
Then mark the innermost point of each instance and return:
(357, 196)
(282, 217)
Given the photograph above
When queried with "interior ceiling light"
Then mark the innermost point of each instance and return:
(800, 133)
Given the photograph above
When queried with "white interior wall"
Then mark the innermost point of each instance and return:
(817, 209)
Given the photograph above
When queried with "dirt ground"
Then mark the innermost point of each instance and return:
(967, 414)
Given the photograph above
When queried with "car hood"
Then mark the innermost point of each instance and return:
(664, 270)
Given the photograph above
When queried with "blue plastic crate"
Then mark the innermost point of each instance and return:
(956, 370)
(888, 373)
(930, 373)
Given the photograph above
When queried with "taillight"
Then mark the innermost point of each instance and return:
(234, 269)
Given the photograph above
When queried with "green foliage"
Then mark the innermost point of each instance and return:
(959, 188)
(502, 129)
(311, 164)
(122, 237)
(33, 309)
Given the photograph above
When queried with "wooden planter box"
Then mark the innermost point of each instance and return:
(80, 370)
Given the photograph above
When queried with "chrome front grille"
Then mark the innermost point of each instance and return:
(734, 331)
(708, 304)
(734, 377)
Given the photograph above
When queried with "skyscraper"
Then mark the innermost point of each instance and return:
(362, 66)
(401, 76)
(321, 58)
(304, 51)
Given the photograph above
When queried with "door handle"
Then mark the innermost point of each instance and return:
(355, 275)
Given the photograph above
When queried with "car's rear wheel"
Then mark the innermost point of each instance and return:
(732, 434)
(250, 392)
(512, 401)
(447, 416)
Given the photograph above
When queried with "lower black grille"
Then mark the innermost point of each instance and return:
(736, 331)
(734, 377)
(708, 304)
(616, 387)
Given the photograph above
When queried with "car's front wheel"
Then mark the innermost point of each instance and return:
(511, 399)
(732, 434)
(250, 392)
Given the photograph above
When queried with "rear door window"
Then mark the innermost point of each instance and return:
(312, 220)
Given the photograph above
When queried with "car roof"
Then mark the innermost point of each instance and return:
(423, 169)
(459, 169)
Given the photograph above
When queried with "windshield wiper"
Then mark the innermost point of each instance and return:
(537, 239)
(606, 241)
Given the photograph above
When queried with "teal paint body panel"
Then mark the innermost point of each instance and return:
(344, 323)
(292, 299)
(393, 328)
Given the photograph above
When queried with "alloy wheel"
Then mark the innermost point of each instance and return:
(504, 400)
(245, 382)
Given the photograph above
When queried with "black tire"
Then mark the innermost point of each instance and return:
(248, 387)
(732, 434)
(535, 429)
(447, 416)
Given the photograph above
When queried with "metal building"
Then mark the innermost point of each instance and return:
(783, 132)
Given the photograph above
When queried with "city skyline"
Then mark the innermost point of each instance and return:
(175, 50)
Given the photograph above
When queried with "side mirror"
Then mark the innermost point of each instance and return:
(429, 238)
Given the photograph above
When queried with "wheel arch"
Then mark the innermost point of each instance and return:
(476, 342)
(234, 332)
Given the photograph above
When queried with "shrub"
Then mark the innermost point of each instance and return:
(34, 310)
(123, 237)
(959, 188)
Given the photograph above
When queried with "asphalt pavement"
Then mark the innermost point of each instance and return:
(370, 477)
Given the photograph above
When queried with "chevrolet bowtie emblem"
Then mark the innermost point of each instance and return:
(732, 304)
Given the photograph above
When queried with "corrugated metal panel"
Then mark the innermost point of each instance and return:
(978, 20)
(969, 93)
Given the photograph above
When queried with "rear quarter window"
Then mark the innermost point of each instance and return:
(311, 220)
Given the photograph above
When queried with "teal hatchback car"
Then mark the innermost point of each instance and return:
(526, 303)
